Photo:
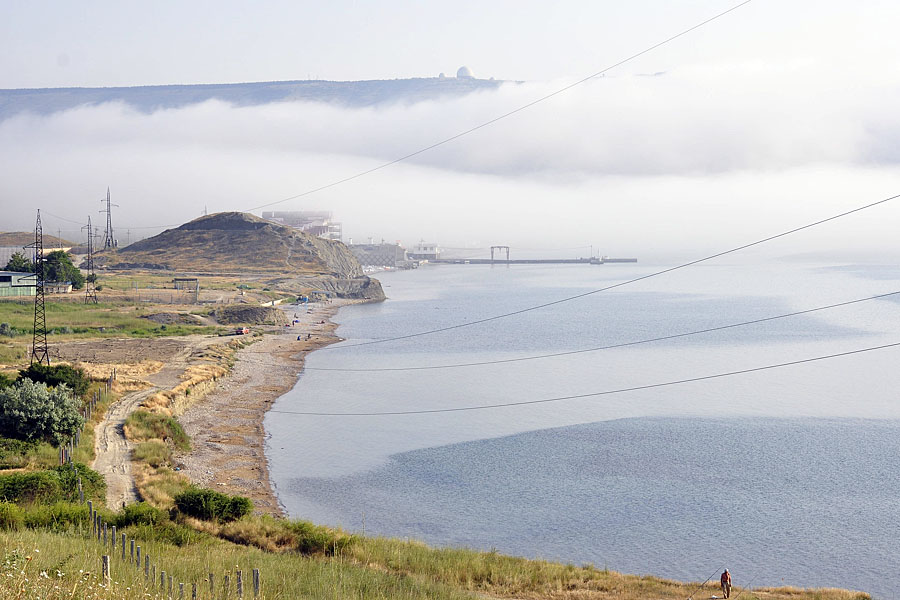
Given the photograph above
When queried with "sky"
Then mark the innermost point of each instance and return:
(777, 114)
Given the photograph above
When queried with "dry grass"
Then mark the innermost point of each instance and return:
(158, 485)
(129, 377)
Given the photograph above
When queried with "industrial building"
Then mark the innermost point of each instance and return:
(425, 251)
(314, 222)
(380, 255)
(17, 284)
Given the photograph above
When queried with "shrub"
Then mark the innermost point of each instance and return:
(7, 331)
(210, 505)
(139, 513)
(55, 375)
(14, 453)
(40, 486)
(59, 516)
(316, 539)
(31, 411)
(12, 517)
(6, 381)
(145, 425)
(92, 483)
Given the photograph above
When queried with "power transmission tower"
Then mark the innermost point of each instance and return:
(110, 240)
(39, 351)
(90, 292)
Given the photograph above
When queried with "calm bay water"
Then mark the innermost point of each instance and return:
(782, 474)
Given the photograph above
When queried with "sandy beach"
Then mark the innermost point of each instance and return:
(226, 427)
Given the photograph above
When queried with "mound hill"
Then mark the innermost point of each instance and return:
(236, 242)
(23, 238)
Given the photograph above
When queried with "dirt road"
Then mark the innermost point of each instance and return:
(113, 450)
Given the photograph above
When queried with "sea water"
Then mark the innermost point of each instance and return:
(785, 475)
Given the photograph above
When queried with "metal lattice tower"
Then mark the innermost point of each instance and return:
(90, 292)
(110, 239)
(39, 351)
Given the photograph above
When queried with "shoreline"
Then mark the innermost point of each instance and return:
(231, 456)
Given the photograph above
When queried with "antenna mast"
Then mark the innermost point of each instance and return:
(90, 292)
(39, 352)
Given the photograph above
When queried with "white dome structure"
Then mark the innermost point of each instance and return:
(464, 73)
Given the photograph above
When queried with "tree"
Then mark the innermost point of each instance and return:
(58, 267)
(56, 375)
(32, 411)
(19, 263)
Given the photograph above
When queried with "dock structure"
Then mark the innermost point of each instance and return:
(531, 261)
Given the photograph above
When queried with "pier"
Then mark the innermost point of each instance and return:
(530, 261)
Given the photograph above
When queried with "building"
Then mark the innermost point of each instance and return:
(17, 284)
(57, 287)
(314, 222)
(186, 283)
(424, 251)
(379, 255)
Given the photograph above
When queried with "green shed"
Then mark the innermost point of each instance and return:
(17, 284)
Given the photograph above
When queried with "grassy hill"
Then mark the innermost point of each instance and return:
(236, 242)
(23, 238)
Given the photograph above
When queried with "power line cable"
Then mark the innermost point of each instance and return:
(589, 395)
(609, 347)
(615, 285)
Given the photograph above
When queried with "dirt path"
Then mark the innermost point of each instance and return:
(113, 450)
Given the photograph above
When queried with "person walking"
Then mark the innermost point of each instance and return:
(726, 583)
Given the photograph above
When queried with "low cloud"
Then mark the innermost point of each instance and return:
(685, 160)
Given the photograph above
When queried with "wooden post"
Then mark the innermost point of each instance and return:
(180, 591)
(99, 527)
(138, 561)
(212, 584)
(80, 491)
(123, 546)
(91, 514)
(193, 591)
(153, 575)
(239, 575)
(104, 533)
(105, 568)
(226, 584)
(132, 550)
(146, 565)
(255, 583)
(170, 586)
(112, 538)
(162, 580)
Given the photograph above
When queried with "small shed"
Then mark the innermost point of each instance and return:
(17, 284)
(57, 287)
(186, 283)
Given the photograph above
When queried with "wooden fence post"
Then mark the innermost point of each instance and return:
(104, 534)
(180, 591)
(162, 580)
(255, 583)
(91, 514)
(193, 591)
(132, 550)
(124, 541)
(138, 561)
(240, 583)
(146, 565)
(226, 585)
(112, 538)
(105, 568)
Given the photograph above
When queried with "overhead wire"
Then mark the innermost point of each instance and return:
(588, 395)
(615, 285)
(608, 347)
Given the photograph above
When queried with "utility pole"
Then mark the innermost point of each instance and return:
(90, 292)
(39, 352)
(110, 240)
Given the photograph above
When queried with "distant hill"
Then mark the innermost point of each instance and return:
(23, 238)
(149, 98)
(234, 242)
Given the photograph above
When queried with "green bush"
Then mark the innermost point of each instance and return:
(92, 482)
(316, 539)
(144, 425)
(40, 486)
(54, 375)
(210, 505)
(14, 453)
(12, 517)
(32, 411)
(6, 381)
(139, 513)
(59, 516)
